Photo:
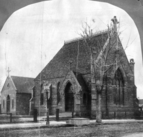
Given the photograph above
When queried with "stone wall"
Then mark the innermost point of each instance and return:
(119, 61)
(109, 108)
(112, 110)
(42, 109)
(22, 103)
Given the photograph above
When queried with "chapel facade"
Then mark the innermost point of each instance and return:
(16, 95)
(68, 81)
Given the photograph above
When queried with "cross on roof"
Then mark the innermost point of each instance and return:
(115, 22)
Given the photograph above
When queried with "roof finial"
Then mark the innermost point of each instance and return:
(115, 22)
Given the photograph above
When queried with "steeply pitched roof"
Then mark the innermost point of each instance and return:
(60, 64)
(23, 84)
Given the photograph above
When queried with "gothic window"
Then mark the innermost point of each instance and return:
(8, 104)
(49, 96)
(119, 90)
(41, 95)
(58, 93)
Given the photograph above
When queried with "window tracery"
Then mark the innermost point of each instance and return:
(119, 90)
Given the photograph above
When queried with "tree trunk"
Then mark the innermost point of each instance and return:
(98, 111)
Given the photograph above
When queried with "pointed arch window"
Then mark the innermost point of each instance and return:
(58, 93)
(119, 90)
(8, 104)
(41, 95)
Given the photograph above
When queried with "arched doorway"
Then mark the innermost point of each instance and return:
(69, 98)
(8, 104)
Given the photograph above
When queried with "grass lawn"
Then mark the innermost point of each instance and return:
(93, 130)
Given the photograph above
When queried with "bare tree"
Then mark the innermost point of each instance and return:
(102, 50)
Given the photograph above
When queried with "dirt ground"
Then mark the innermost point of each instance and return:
(103, 130)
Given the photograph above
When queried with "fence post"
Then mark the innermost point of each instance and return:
(35, 113)
(47, 123)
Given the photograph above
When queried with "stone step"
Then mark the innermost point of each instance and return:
(78, 121)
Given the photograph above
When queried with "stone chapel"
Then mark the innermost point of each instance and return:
(16, 95)
(67, 81)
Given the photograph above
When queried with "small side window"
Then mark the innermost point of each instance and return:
(58, 93)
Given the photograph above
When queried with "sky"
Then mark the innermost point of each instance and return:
(34, 34)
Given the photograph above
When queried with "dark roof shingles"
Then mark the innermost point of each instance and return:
(60, 64)
(23, 84)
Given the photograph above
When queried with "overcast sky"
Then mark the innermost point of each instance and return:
(34, 34)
